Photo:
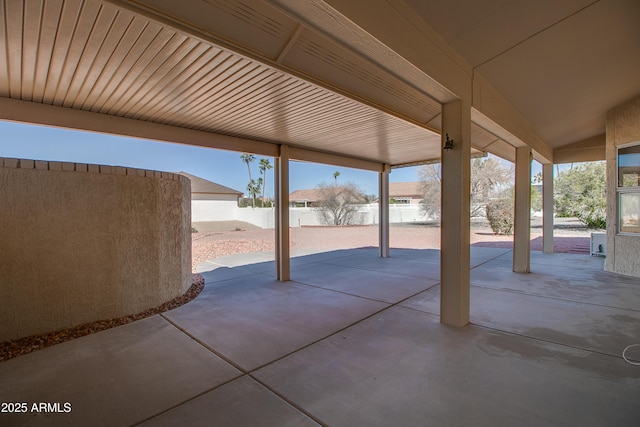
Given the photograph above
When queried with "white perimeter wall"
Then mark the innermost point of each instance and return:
(214, 210)
(210, 210)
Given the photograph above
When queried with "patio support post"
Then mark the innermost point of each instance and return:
(383, 217)
(547, 208)
(522, 212)
(283, 265)
(455, 225)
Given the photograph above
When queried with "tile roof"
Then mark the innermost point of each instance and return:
(396, 189)
(405, 189)
(201, 185)
(304, 195)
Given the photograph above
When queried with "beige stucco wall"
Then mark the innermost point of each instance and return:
(80, 243)
(623, 127)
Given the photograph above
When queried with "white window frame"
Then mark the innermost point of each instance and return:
(621, 191)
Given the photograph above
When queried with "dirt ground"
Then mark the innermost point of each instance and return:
(233, 237)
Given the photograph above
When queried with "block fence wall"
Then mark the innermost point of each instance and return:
(83, 242)
(209, 210)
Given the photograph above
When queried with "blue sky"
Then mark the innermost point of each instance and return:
(224, 167)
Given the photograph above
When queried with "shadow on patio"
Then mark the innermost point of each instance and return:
(561, 244)
(355, 339)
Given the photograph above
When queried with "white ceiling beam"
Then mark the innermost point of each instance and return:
(492, 112)
(333, 159)
(290, 43)
(49, 115)
(474, 155)
(587, 150)
(410, 49)
(389, 33)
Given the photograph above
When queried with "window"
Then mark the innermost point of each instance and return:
(403, 200)
(629, 188)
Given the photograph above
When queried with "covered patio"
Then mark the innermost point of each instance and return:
(362, 336)
(354, 339)
(373, 86)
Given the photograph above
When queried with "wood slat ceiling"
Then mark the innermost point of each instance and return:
(93, 56)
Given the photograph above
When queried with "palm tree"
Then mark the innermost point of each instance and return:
(259, 186)
(248, 158)
(336, 174)
(253, 188)
(264, 167)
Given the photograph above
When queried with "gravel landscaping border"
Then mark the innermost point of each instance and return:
(14, 348)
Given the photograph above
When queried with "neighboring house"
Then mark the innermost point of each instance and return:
(303, 198)
(407, 193)
(211, 201)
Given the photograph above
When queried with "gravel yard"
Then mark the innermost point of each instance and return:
(234, 238)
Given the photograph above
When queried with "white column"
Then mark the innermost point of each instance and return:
(547, 208)
(383, 217)
(455, 225)
(522, 212)
(283, 265)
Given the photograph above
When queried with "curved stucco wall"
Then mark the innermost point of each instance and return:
(80, 243)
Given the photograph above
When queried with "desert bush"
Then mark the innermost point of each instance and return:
(489, 175)
(500, 215)
(338, 204)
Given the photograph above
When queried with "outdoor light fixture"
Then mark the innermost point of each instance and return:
(448, 143)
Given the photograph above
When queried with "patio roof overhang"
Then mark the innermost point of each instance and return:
(120, 69)
(353, 83)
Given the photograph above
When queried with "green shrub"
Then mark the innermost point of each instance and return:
(581, 192)
(500, 216)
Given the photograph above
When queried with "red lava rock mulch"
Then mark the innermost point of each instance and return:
(207, 246)
(13, 348)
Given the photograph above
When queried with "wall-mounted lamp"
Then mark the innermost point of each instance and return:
(448, 143)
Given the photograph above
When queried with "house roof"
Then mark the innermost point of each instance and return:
(201, 185)
(405, 189)
(396, 189)
(304, 195)
(308, 195)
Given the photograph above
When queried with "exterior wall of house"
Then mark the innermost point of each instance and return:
(81, 243)
(623, 127)
(203, 210)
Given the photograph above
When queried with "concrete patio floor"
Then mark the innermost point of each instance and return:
(355, 340)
